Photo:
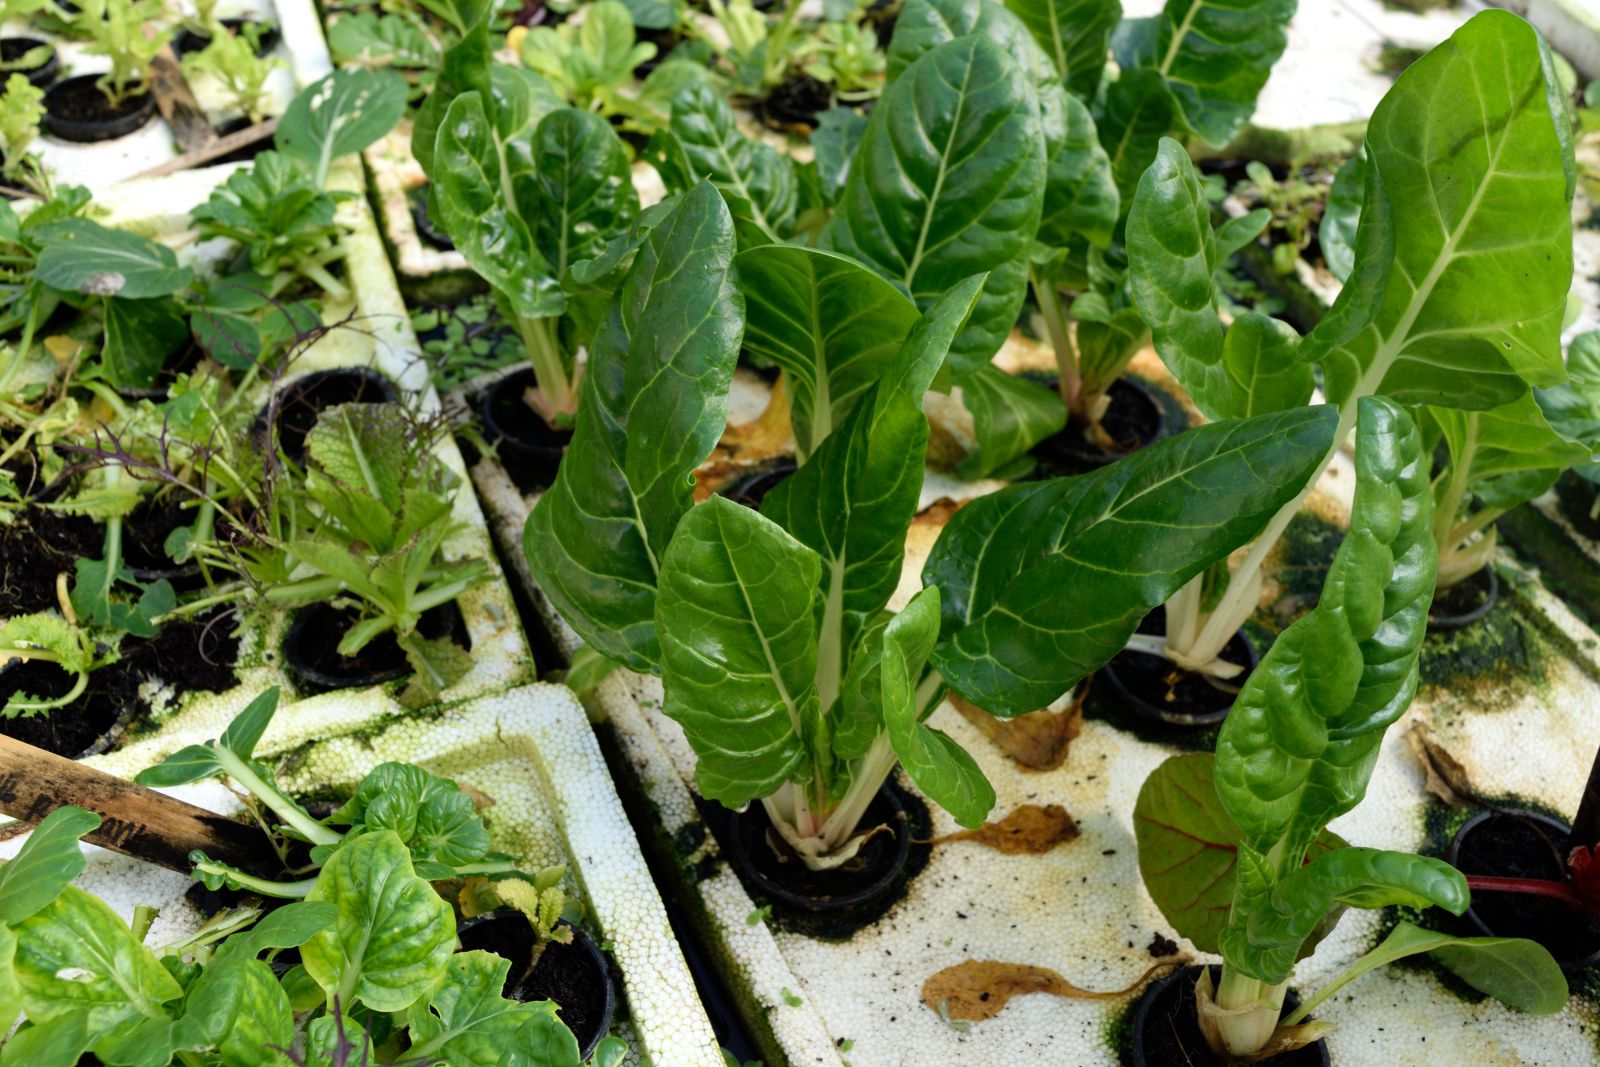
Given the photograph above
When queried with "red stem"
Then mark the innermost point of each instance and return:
(1535, 886)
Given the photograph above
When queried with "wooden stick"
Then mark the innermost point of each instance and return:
(220, 147)
(138, 822)
(190, 127)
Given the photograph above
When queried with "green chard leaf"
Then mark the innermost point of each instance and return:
(853, 501)
(464, 68)
(831, 325)
(1044, 582)
(342, 113)
(1076, 34)
(653, 403)
(1215, 55)
(1173, 254)
(1138, 113)
(1474, 171)
(942, 769)
(737, 617)
(756, 179)
(394, 935)
(948, 183)
(1299, 745)
(582, 189)
(1080, 192)
(1342, 216)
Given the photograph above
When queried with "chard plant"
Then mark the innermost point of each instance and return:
(526, 188)
(375, 941)
(590, 63)
(116, 30)
(1235, 848)
(793, 681)
(1448, 302)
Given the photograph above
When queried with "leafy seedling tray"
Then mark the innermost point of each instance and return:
(379, 338)
(301, 50)
(529, 751)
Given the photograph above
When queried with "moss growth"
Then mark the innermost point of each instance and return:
(1306, 552)
(1501, 644)
(1117, 1031)
(1545, 544)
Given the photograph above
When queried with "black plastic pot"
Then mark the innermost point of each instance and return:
(529, 448)
(76, 110)
(752, 488)
(1133, 419)
(1166, 1027)
(1156, 690)
(84, 728)
(301, 401)
(1465, 602)
(144, 536)
(766, 861)
(1524, 844)
(187, 42)
(424, 221)
(796, 102)
(314, 661)
(576, 976)
(14, 48)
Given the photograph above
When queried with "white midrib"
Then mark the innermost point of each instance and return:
(938, 181)
(1366, 385)
(1179, 34)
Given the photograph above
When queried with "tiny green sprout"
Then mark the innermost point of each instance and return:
(790, 998)
(759, 915)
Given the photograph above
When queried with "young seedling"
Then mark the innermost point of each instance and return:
(20, 113)
(231, 59)
(116, 30)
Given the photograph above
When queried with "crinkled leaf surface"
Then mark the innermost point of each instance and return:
(653, 403)
(737, 616)
(1076, 34)
(582, 188)
(1216, 55)
(237, 1008)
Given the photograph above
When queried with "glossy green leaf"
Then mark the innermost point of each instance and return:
(1174, 256)
(1138, 113)
(467, 1022)
(1189, 847)
(343, 112)
(737, 617)
(46, 863)
(1474, 172)
(432, 815)
(853, 502)
(1009, 414)
(584, 187)
(948, 183)
(1342, 216)
(1511, 438)
(756, 178)
(487, 229)
(830, 324)
(10, 991)
(1076, 34)
(1044, 582)
(834, 142)
(924, 25)
(61, 1042)
(1298, 747)
(1080, 193)
(463, 68)
(393, 936)
(942, 769)
(653, 404)
(237, 1008)
(77, 957)
(1216, 55)
(82, 256)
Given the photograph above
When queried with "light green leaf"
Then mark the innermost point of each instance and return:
(830, 324)
(394, 935)
(46, 863)
(654, 402)
(237, 1008)
(466, 1022)
(289, 926)
(737, 615)
(1044, 582)
(1474, 171)
(1298, 747)
(341, 113)
(77, 957)
(61, 1042)
(942, 769)
(140, 335)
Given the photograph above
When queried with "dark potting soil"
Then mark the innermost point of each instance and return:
(13, 49)
(1508, 845)
(144, 540)
(311, 647)
(1166, 690)
(752, 488)
(186, 42)
(796, 102)
(567, 975)
(79, 100)
(187, 654)
(37, 547)
(1171, 1037)
(839, 925)
(1133, 420)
